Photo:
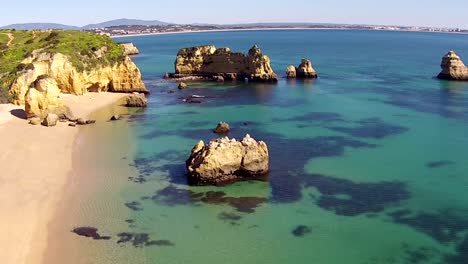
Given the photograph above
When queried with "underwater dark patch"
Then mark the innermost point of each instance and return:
(322, 117)
(419, 255)
(444, 226)
(461, 255)
(348, 198)
(90, 232)
(139, 240)
(301, 231)
(371, 128)
(229, 217)
(135, 206)
(439, 163)
(173, 196)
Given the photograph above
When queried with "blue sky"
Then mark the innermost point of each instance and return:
(447, 13)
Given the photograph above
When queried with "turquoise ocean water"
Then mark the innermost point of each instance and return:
(368, 162)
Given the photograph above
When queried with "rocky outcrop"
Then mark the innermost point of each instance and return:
(136, 100)
(210, 62)
(453, 68)
(43, 98)
(225, 161)
(130, 49)
(50, 120)
(123, 76)
(222, 128)
(305, 70)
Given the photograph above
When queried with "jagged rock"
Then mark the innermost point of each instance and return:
(44, 98)
(222, 128)
(123, 76)
(50, 120)
(115, 117)
(182, 86)
(225, 161)
(453, 68)
(35, 121)
(136, 100)
(291, 72)
(210, 62)
(130, 49)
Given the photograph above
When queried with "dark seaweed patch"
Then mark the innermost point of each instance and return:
(322, 117)
(461, 255)
(301, 231)
(173, 196)
(141, 240)
(420, 255)
(439, 163)
(90, 232)
(225, 216)
(348, 198)
(444, 226)
(135, 206)
(372, 128)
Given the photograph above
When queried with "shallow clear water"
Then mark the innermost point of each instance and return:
(368, 163)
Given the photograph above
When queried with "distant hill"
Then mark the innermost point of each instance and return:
(30, 26)
(127, 22)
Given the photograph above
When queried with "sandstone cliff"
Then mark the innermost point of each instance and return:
(226, 160)
(123, 76)
(208, 61)
(130, 49)
(453, 68)
(305, 70)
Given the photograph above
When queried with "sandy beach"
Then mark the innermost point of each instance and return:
(35, 166)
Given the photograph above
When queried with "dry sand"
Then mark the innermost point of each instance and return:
(35, 162)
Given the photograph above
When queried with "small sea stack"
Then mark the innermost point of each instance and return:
(222, 128)
(453, 68)
(224, 161)
(130, 49)
(305, 70)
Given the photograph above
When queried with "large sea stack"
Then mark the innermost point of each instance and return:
(453, 68)
(212, 63)
(225, 161)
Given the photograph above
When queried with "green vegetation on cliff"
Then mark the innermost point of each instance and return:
(86, 51)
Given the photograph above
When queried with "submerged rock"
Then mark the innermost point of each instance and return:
(305, 70)
(453, 68)
(212, 63)
(225, 161)
(136, 100)
(222, 128)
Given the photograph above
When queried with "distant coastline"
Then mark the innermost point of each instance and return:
(276, 29)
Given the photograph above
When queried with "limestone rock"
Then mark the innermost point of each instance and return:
(210, 62)
(123, 76)
(306, 70)
(222, 128)
(50, 120)
(453, 68)
(291, 72)
(136, 100)
(35, 121)
(44, 98)
(182, 86)
(115, 118)
(225, 161)
(130, 49)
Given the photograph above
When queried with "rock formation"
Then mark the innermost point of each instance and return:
(225, 161)
(210, 62)
(43, 98)
(123, 76)
(182, 86)
(453, 68)
(304, 71)
(291, 72)
(222, 128)
(136, 100)
(130, 49)
(50, 120)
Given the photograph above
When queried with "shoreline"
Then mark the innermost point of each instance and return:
(273, 29)
(34, 174)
